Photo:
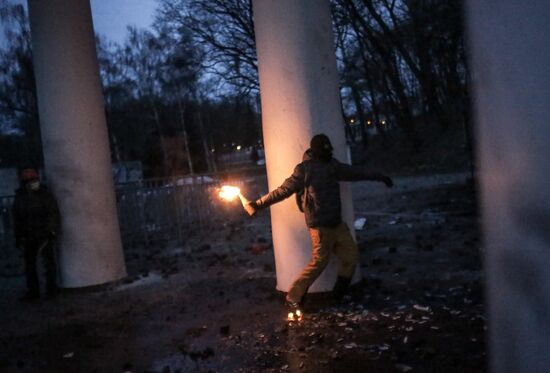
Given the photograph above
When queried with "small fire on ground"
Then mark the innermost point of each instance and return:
(295, 316)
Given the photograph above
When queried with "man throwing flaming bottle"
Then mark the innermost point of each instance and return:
(316, 183)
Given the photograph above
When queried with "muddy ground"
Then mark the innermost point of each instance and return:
(211, 304)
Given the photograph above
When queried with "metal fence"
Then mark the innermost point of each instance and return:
(157, 210)
(6, 223)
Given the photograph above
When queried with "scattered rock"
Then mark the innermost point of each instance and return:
(359, 224)
(196, 332)
(421, 308)
(258, 248)
(403, 368)
(201, 354)
(224, 330)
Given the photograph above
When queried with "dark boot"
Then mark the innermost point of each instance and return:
(296, 305)
(292, 306)
(340, 287)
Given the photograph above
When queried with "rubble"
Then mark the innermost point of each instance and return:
(403, 368)
(421, 308)
(359, 224)
(224, 330)
(211, 305)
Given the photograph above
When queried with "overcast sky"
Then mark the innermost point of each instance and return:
(111, 17)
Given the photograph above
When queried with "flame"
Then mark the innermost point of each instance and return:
(229, 193)
(295, 316)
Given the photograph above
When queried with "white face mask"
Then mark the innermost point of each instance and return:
(35, 185)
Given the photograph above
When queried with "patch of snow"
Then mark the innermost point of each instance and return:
(148, 280)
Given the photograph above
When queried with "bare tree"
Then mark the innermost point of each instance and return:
(17, 84)
(224, 29)
(401, 58)
(18, 105)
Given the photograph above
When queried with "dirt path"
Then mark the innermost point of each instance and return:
(211, 305)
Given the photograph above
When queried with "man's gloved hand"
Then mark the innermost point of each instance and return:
(251, 208)
(19, 242)
(386, 180)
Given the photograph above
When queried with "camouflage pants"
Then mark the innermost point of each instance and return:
(326, 240)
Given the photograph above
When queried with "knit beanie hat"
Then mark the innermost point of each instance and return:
(320, 146)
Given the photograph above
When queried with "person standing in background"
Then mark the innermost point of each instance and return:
(37, 226)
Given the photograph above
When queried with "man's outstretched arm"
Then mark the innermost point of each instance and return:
(345, 172)
(290, 186)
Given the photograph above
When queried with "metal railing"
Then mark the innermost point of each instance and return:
(157, 210)
(7, 239)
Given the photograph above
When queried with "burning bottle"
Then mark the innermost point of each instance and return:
(229, 193)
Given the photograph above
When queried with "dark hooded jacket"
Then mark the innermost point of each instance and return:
(36, 214)
(320, 179)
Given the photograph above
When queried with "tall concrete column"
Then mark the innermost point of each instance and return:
(75, 141)
(511, 57)
(299, 88)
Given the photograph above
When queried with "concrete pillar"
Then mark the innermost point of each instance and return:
(75, 141)
(299, 88)
(511, 57)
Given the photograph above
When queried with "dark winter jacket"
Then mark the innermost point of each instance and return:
(36, 214)
(321, 206)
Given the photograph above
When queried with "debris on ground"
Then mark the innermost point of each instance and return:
(211, 304)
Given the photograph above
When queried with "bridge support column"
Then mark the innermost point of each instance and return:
(75, 141)
(299, 86)
(511, 55)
